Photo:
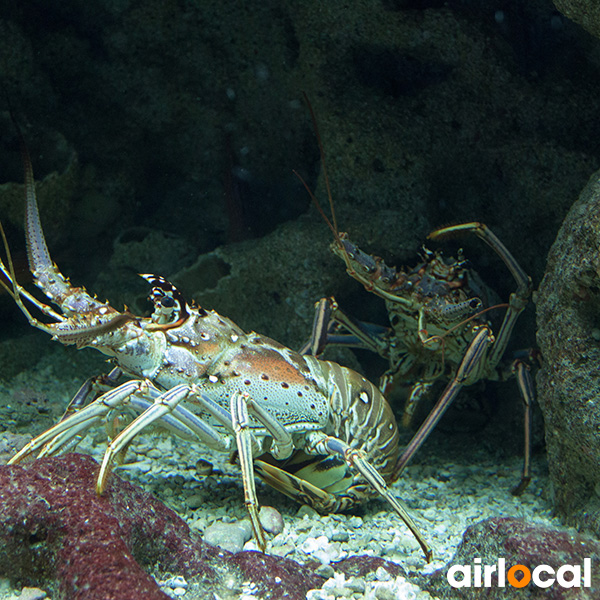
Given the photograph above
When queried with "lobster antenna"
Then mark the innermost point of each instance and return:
(316, 203)
(9, 272)
(323, 164)
(332, 224)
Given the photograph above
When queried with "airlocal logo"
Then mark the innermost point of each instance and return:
(543, 576)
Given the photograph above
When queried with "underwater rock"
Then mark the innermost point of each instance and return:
(519, 543)
(228, 536)
(568, 316)
(56, 532)
(429, 112)
(583, 12)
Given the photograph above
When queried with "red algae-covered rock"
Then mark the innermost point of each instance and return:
(526, 544)
(57, 533)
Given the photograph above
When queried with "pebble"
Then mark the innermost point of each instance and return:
(195, 501)
(229, 536)
(355, 522)
(307, 511)
(30, 593)
(356, 584)
(144, 466)
(271, 520)
(325, 571)
(176, 582)
(321, 549)
(203, 467)
(340, 536)
(385, 592)
(382, 574)
(283, 549)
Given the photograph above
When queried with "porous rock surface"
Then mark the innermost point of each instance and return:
(584, 12)
(519, 543)
(568, 309)
(188, 119)
(55, 532)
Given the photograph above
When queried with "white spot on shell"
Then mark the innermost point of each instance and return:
(364, 397)
(213, 378)
(102, 310)
(205, 336)
(234, 337)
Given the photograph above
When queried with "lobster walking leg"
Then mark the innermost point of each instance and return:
(244, 440)
(471, 361)
(328, 317)
(526, 389)
(92, 385)
(56, 437)
(324, 444)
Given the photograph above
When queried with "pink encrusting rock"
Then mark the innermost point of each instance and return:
(57, 533)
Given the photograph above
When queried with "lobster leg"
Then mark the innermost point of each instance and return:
(526, 388)
(166, 404)
(244, 440)
(78, 422)
(283, 444)
(320, 443)
(472, 360)
(418, 391)
(328, 316)
(92, 385)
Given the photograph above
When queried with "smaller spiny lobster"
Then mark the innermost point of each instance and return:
(439, 327)
(318, 432)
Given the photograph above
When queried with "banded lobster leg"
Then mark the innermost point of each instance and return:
(329, 316)
(296, 487)
(473, 358)
(518, 299)
(165, 408)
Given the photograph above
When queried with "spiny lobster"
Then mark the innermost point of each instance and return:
(439, 326)
(314, 430)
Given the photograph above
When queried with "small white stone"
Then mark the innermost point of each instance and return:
(271, 520)
(30, 593)
(382, 575)
(178, 581)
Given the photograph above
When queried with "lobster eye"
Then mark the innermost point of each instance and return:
(167, 302)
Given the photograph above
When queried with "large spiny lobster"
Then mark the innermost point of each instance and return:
(314, 430)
